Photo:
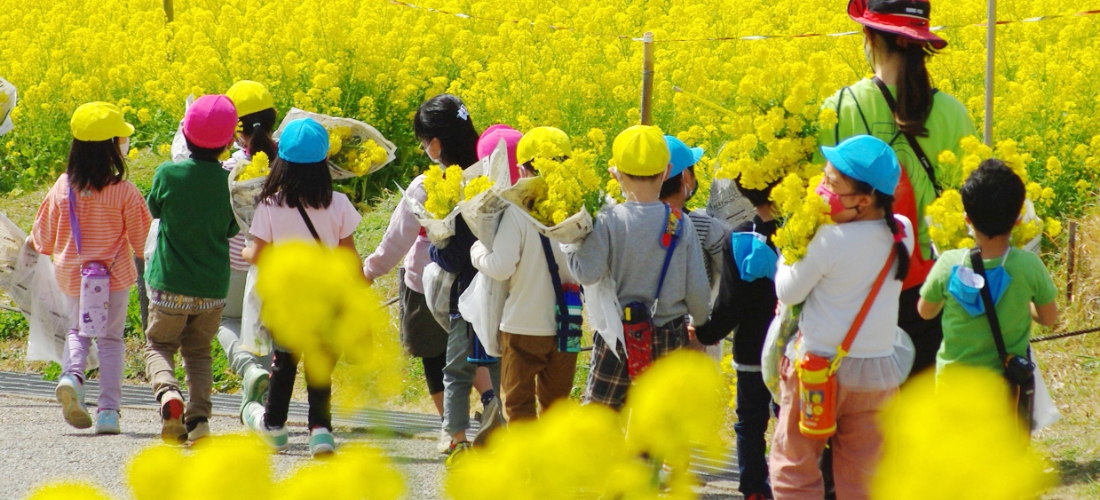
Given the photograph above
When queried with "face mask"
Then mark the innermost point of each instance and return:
(966, 285)
(835, 201)
(124, 146)
(689, 194)
(427, 151)
(754, 258)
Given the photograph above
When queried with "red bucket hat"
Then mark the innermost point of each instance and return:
(908, 18)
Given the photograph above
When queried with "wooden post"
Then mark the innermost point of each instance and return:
(647, 78)
(990, 46)
(1072, 260)
(169, 10)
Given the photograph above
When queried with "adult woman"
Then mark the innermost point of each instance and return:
(900, 106)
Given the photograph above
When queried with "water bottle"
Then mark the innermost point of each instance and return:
(95, 297)
(817, 397)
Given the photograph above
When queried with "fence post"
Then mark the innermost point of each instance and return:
(1072, 261)
(647, 78)
(169, 10)
(990, 43)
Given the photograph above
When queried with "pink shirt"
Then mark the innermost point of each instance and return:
(277, 224)
(404, 238)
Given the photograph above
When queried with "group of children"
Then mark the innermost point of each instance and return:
(678, 277)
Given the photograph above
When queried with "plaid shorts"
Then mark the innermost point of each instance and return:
(608, 379)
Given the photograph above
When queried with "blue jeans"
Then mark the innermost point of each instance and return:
(754, 409)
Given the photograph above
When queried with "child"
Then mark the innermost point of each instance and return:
(746, 304)
(833, 282)
(257, 113)
(489, 140)
(627, 244)
(188, 276)
(447, 135)
(299, 179)
(93, 215)
(679, 189)
(1019, 282)
(532, 365)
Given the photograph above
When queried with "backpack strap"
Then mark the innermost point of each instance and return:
(929, 170)
(74, 221)
(850, 338)
(990, 306)
(674, 229)
(555, 277)
(309, 223)
(859, 109)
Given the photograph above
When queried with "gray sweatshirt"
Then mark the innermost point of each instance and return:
(627, 241)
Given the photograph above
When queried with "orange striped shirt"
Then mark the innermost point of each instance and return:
(113, 222)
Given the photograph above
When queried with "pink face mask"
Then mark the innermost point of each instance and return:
(836, 203)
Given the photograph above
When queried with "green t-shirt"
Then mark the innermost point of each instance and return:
(191, 199)
(968, 339)
(862, 110)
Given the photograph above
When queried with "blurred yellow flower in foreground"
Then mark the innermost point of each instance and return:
(956, 438)
(68, 491)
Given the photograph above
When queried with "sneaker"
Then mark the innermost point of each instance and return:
(444, 446)
(491, 419)
(70, 393)
(456, 451)
(172, 430)
(106, 422)
(321, 443)
(253, 386)
(197, 429)
(253, 417)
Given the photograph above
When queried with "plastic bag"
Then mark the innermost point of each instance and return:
(437, 292)
(1045, 412)
(255, 337)
(244, 195)
(482, 305)
(8, 98)
(151, 241)
(601, 304)
(47, 309)
(179, 142)
(782, 329)
(573, 229)
(359, 130)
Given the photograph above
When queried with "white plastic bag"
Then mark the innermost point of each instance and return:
(482, 306)
(255, 338)
(780, 333)
(359, 130)
(180, 151)
(601, 304)
(8, 98)
(244, 195)
(47, 309)
(437, 293)
(1045, 412)
(151, 241)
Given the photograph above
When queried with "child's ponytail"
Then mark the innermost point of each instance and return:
(257, 127)
(887, 203)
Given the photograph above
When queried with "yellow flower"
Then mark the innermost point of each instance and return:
(476, 186)
(802, 210)
(961, 431)
(357, 471)
(615, 190)
(571, 184)
(444, 190)
(68, 491)
(258, 167)
(1053, 227)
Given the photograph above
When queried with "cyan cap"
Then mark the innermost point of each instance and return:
(682, 156)
(303, 141)
(868, 159)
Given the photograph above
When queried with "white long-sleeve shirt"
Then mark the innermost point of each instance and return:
(833, 280)
(518, 258)
(403, 238)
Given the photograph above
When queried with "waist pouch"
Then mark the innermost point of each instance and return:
(638, 336)
(569, 321)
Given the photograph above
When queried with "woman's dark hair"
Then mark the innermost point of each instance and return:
(257, 128)
(204, 154)
(758, 197)
(308, 185)
(886, 202)
(445, 117)
(95, 164)
(914, 86)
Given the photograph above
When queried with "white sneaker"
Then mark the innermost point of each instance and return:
(70, 393)
(444, 446)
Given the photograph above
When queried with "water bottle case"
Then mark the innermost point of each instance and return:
(569, 323)
(817, 390)
(95, 296)
(638, 336)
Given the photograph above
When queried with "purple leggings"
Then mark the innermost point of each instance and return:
(111, 350)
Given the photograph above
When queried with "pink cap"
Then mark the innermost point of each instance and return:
(210, 122)
(492, 136)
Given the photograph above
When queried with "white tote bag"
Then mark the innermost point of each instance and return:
(482, 306)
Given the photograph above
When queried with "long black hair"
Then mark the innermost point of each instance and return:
(886, 203)
(446, 118)
(257, 128)
(95, 164)
(308, 185)
(914, 86)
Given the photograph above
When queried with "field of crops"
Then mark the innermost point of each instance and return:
(566, 63)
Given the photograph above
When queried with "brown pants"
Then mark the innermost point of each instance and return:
(190, 333)
(533, 370)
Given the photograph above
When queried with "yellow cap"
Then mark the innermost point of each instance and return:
(640, 150)
(250, 97)
(538, 138)
(99, 121)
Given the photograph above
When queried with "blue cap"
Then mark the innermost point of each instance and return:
(303, 141)
(868, 159)
(682, 156)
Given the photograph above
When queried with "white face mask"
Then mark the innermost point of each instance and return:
(427, 151)
(124, 146)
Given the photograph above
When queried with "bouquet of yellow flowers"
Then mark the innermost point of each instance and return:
(802, 211)
(481, 206)
(246, 181)
(563, 197)
(355, 148)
